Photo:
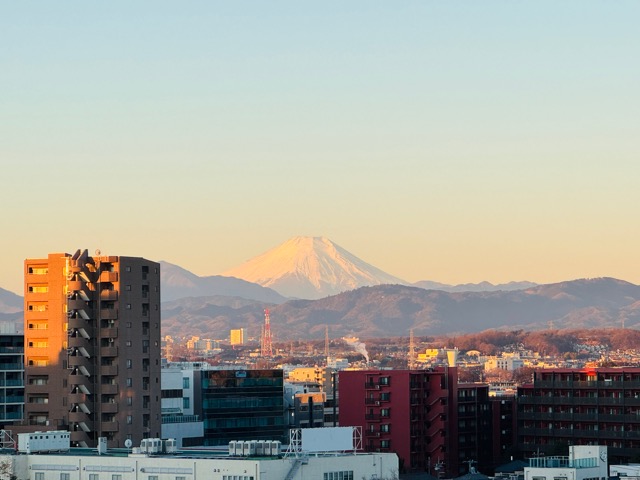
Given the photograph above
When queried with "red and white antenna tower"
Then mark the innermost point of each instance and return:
(266, 350)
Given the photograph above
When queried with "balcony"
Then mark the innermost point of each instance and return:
(109, 295)
(610, 401)
(109, 370)
(81, 366)
(80, 341)
(585, 400)
(109, 407)
(109, 314)
(79, 323)
(109, 351)
(109, 332)
(109, 388)
(372, 417)
(77, 398)
(79, 360)
(108, 277)
(109, 426)
(80, 380)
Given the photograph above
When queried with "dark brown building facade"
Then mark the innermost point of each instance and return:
(590, 406)
(92, 347)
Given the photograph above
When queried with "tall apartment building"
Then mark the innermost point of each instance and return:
(92, 347)
(433, 423)
(403, 411)
(599, 406)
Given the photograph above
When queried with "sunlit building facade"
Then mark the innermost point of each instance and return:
(92, 347)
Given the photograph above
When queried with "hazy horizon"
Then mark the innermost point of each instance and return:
(456, 142)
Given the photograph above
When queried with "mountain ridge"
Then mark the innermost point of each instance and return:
(177, 282)
(394, 310)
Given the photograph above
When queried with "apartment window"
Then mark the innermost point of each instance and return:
(38, 380)
(129, 382)
(185, 382)
(38, 326)
(126, 269)
(186, 402)
(128, 306)
(181, 478)
(65, 476)
(129, 419)
(385, 412)
(385, 427)
(116, 477)
(127, 288)
(129, 363)
(38, 270)
(385, 443)
(39, 476)
(128, 343)
(38, 288)
(94, 476)
(152, 477)
(129, 401)
(128, 324)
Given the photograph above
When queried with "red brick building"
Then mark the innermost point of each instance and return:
(424, 416)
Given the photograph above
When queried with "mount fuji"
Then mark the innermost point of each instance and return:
(310, 268)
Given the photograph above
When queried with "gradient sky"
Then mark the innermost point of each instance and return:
(450, 141)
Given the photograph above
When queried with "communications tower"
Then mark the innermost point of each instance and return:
(266, 350)
(412, 351)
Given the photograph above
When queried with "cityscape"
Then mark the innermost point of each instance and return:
(319, 241)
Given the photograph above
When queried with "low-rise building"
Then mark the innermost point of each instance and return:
(585, 462)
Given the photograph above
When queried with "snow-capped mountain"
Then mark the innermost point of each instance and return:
(310, 267)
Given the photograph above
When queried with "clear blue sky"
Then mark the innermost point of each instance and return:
(450, 141)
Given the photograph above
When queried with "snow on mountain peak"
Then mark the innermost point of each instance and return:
(310, 267)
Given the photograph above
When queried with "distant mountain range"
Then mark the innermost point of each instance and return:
(474, 287)
(393, 310)
(351, 297)
(176, 282)
(11, 306)
(10, 302)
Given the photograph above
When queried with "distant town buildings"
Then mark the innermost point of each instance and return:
(236, 336)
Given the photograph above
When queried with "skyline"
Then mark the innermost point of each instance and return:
(447, 142)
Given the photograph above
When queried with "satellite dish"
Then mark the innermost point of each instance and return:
(128, 443)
